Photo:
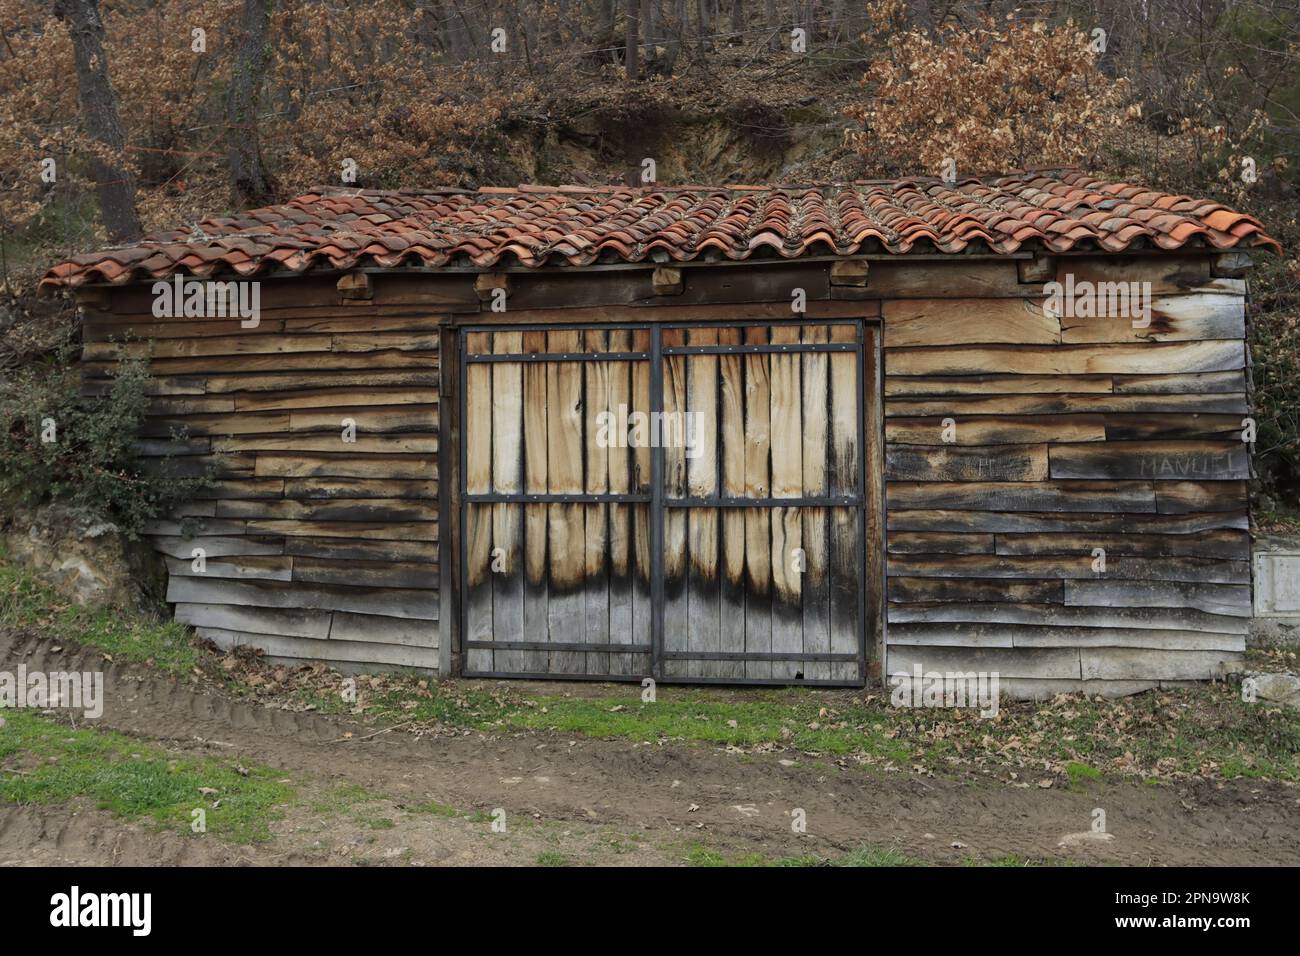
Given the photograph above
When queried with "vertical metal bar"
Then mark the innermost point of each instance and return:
(656, 508)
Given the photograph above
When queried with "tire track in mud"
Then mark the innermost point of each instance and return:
(649, 789)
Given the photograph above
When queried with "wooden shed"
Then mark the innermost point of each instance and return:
(988, 426)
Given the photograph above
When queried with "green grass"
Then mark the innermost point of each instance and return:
(1080, 773)
(48, 763)
(1206, 730)
(698, 854)
(125, 636)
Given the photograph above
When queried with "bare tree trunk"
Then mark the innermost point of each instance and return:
(605, 21)
(674, 44)
(633, 15)
(737, 18)
(769, 14)
(243, 142)
(451, 31)
(115, 182)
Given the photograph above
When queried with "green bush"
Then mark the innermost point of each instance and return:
(59, 446)
(1275, 351)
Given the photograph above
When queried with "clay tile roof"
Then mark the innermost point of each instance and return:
(1057, 210)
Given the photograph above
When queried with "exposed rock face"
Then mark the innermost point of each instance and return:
(83, 556)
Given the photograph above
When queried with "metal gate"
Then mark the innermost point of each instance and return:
(677, 501)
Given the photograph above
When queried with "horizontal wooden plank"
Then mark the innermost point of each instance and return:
(1118, 567)
(904, 385)
(1124, 663)
(355, 341)
(338, 397)
(257, 620)
(1033, 522)
(969, 463)
(417, 443)
(1060, 663)
(387, 602)
(1181, 497)
(372, 574)
(242, 488)
(959, 407)
(332, 509)
(241, 345)
(1176, 318)
(346, 466)
(319, 378)
(1156, 460)
(1159, 618)
(1029, 635)
(1165, 274)
(213, 547)
(409, 417)
(967, 322)
(1230, 544)
(343, 549)
(923, 590)
(995, 430)
(258, 567)
(372, 628)
(358, 530)
(303, 489)
(1142, 359)
(912, 542)
(330, 651)
(1129, 497)
(1195, 382)
(1230, 599)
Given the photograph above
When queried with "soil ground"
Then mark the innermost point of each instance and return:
(387, 797)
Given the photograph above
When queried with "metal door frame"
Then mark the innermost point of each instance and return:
(657, 500)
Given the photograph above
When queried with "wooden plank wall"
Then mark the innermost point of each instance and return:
(316, 548)
(1068, 435)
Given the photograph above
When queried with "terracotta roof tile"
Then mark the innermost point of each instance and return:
(1054, 210)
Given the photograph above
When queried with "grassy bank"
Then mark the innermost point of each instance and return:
(1206, 731)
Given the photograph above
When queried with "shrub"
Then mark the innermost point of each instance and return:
(57, 445)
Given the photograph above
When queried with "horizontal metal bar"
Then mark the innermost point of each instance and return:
(556, 499)
(757, 323)
(486, 358)
(559, 646)
(755, 656)
(851, 502)
(739, 349)
(557, 326)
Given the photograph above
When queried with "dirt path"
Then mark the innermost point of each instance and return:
(575, 799)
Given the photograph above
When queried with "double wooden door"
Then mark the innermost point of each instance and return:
(682, 502)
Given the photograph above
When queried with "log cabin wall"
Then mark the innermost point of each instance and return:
(1022, 448)
(1069, 436)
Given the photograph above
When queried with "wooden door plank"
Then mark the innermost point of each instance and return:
(787, 523)
(620, 516)
(703, 576)
(731, 423)
(815, 381)
(676, 634)
(478, 523)
(844, 477)
(507, 476)
(596, 446)
(566, 608)
(758, 521)
(536, 598)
